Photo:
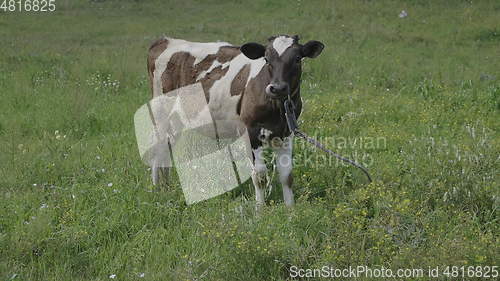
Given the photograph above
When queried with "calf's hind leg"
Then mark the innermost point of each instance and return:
(160, 175)
(162, 164)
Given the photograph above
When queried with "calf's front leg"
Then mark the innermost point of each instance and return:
(259, 175)
(284, 164)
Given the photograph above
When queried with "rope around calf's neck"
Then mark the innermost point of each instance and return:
(293, 127)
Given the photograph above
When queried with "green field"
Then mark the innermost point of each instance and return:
(77, 203)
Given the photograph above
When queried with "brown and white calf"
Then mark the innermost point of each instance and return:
(247, 83)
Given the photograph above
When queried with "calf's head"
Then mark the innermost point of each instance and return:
(283, 55)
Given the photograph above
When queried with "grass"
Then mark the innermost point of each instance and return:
(76, 200)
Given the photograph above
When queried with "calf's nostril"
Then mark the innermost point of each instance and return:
(277, 89)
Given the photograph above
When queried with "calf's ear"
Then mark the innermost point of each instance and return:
(253, 50)
(312, 49)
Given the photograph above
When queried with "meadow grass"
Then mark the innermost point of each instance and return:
(77, 203)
